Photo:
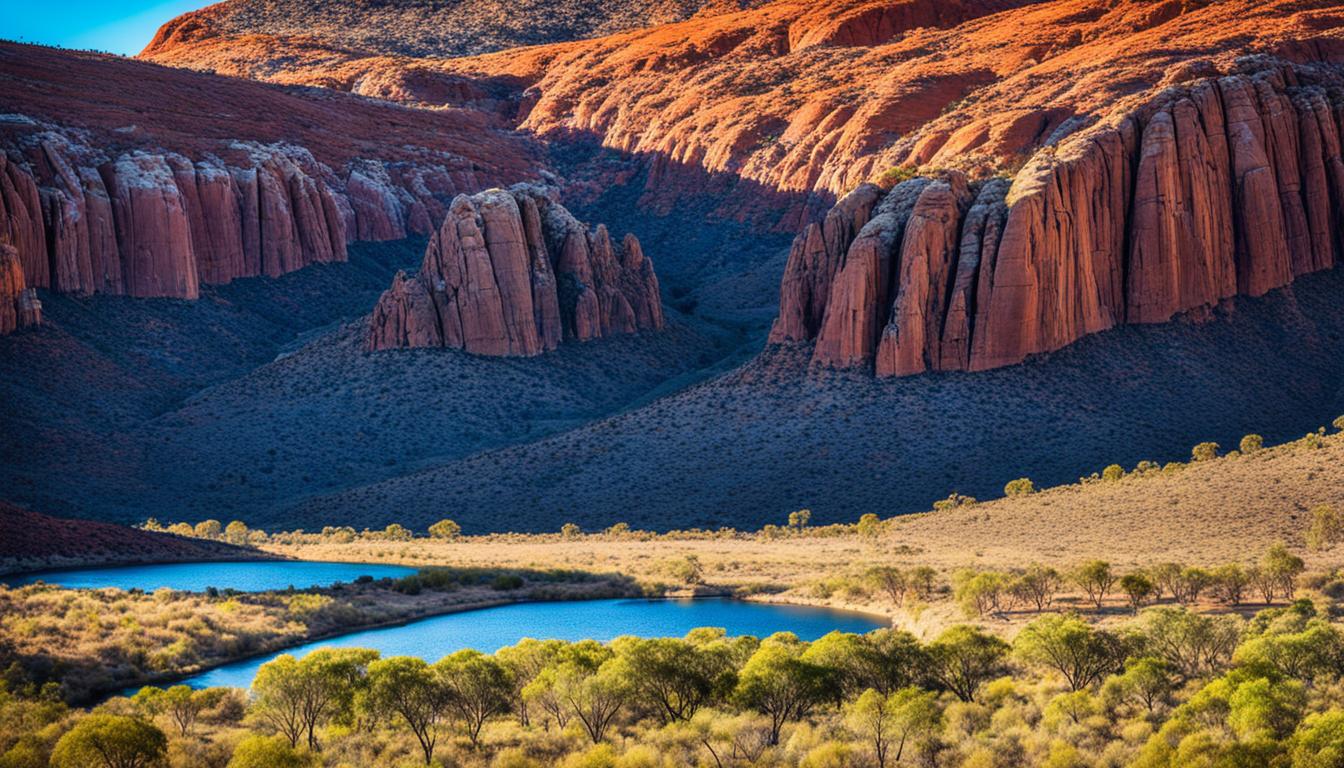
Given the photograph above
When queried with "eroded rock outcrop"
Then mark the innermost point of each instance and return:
(1227, 186)
(511, 272)
(19, 306)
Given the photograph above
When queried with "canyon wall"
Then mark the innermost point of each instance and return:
(1225, 186)
(512, 272)
(157, 224)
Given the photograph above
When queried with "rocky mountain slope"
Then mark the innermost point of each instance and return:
(1217, 188)
(106, 192)
(31, 541)
(513, 273)
(845, 443)
(423, 27)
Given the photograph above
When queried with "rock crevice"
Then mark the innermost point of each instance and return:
(513, 273)
(1226, 186)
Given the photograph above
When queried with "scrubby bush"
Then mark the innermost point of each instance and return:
(1204, 451)
(1112, 473)
(1019, 487)
(1252, 443)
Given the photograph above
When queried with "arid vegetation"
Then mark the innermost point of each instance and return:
(1170, 688)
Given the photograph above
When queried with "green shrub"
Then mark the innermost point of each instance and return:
(1112, 473)
(1204, 451)
(1019, 487)
(1252, 443)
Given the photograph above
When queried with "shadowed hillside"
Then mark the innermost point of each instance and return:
(844, 444)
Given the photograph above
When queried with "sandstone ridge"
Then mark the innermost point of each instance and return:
(513, 273)
(1222, 187)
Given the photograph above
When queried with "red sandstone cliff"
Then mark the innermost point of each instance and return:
(19, 306)
(513, 273)
(102, 191)
(1225, 186)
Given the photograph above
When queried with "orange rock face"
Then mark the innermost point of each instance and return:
(101, 191)
(512, 273)
(19, 306)
(1222, 187)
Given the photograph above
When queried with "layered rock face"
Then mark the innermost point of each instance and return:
(511, 272)
(1227, 186)
(19, 306)
(103, 191)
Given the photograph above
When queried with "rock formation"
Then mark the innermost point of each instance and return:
(19, 306)
(113, 195)
(1225, 186)
(511, 272)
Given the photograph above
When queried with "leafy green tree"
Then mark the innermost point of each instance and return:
(1292, 642)
(923, 580)
(1037, 586)
(1204, 451)
(1319, 742)
(800, 519)
(980, 593)
(677, 675)
(890, 580)
(1326, 528)
(1070, 646)
(209, 529)
(110, 741)
(889, 723)
(963, 657)
(1137, 588)
(1194, 645)
(180, 704)
(267, 752)
(445, 529)
(297, 695)
(1282, 568)
(1147, 682)
(1190, 583)
(478, 688)
(1095, 578)
(410, 690)
(525, 661)
(869, 526)
(777, 682)
(1229, 583)
(237, 533)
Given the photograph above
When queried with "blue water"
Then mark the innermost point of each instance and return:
(244, 576)
(490, 629)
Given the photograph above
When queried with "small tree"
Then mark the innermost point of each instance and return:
(869, 526)
(1070, 646)
(1338, 423)
(180, 704)
(1204, 451)
(570, 531)
(687, 570)
(1037, 586)
(266, 752)
(1137, 587)
(1326, 528)
(923, 580)
(891, 580)
(478, 689)
(1166, 577)
(1252, 443)
(236, 533)
(445, 529)
(963, 657)
(777, 682)
(890, 723)
(110, 741)
(1191, 583)
(1095, 578)
(1283, 567)
(800, 519)
(1113, 473)
(410, 690)
(208, 529)
(1019, 487)
(1229, 583)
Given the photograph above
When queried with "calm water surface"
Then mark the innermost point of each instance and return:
(244, 576)
(490, 629)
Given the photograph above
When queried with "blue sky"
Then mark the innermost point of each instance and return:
(119, 26)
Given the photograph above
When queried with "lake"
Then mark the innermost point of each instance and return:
(489, 629)
(244, 576)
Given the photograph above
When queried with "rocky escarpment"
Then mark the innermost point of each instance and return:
(19, 306)
(1227, 186)
(103, 191)
(512, 272)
